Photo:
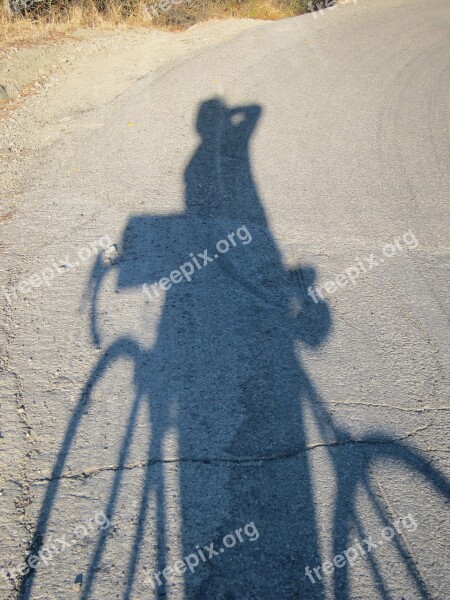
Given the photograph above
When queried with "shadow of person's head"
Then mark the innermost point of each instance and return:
(215, 119)
(219, 178)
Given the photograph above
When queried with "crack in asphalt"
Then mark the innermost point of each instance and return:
(253, 460)
(419, 409)
(25, 496)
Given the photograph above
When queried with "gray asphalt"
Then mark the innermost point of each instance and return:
(310, 423)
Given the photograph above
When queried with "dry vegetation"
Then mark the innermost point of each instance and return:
(50, 19)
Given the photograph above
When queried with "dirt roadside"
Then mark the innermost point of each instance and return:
(50, 85)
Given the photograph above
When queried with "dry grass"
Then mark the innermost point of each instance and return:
(54, 23)
(54, 19)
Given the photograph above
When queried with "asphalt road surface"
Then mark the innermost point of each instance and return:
(226, 325)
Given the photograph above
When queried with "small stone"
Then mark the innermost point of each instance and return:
(111, 253)
(78, 584)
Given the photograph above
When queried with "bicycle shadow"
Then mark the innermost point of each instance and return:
(224, 376)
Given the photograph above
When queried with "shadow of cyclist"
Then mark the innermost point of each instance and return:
(226, 344)
(223, 383)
